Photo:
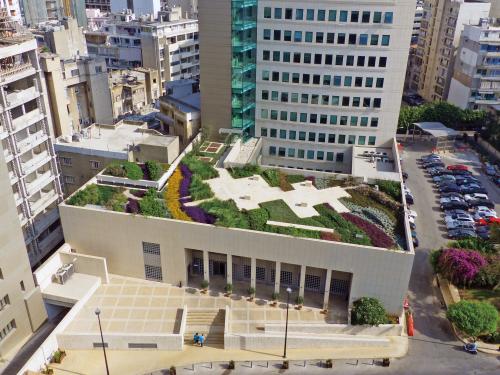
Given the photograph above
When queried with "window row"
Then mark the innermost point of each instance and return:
(329, 38)
(316, 99)
(305, 154)
(332, 15)
(325, 80)
(293, 135)
(327, 59)
(322, 119)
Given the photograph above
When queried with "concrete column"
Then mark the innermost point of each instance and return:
(277, 274)
(302, 280)
(253, 266)
(229, 269)
(327, 289)
(206, 266)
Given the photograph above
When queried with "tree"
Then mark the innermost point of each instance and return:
(473, 318)
(367, 310)
(155, 170)
(460, 266)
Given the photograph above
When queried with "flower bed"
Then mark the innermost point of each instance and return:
(132, 206)
(172, 196)
(377, 236)
(106, 196)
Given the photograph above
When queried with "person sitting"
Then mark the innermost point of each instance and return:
(196, 338)
(202, 339)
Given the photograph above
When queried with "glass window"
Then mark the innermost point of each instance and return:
(291, 153)
(335, 100)
(351, 140)
(346, 100)
(354, 120)
(266, 55)
(303, 117)
(361, 61)
(309, 37)
(354, 16)
(348, 81)
(263, 132)
(349, 60)
(311, 137)
(356, 101)
(343, 16)
(329, 156)
(295, 97)
(264, 113)
(361, 140)
(300, 154)
(267, 12)
(277, 13)
(323, 119)
(293, 117)
(286, 57)
(341, 139)
(333, 119)
(310, 154)
(302, 136)
(296, 57)
(352, 39)
(371, 140)
(364, 121)
(319, 37)
(339, 60)
(341, 38)
(374, 122)
(272, 150)
(265, 95)
(265, 75)
(377, 103)
(366, 102)
(340, 157)
(273, 133)
(283, 116)
(287, 35)
(306, 78)
(296, 77)
(299, 14)
(380, 83)
(288, 13)
(277, 35)
(386, 40)
(337, 81)
(374, 40)
(281, 151)
(343, 120)
(363, 39)
(369, 82)
(377, 17)
(297, 36)
(328, 59)
(322, 137)
(276, 55)
(327, 80)
(316, 77)
(358, 82)
(274, 114)
(332, 15)
(292, 134)
(267, 34)
(318, 59)
(282, 134)
(325, 99)
(330, 38)
(320, 155)
(365, 18)
(313, 118)
(371, 61)
(321, 14)
(285, 77)
(304, 98)
(331, 138)
(310, 15)
(382, 62)
(388, 17)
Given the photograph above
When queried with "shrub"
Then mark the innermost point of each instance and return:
(257, 218)
(204, 170)
(231, 365)
(117, 202)
(377, 236)
(115, 169)
(272, 176)
(137, 193)
(227, 213)
(489, 275)
(299, 300)
(251, 291)
(245, 171)
(154, 169)
(295, 178)
(228, 288)
(478, 244)
(460, 266)
(185, 182)
(132, 171)
(199, 189)
(132, 206)
(198, 214)
(473, 318)
(285, 365)
(391, 188)
(204, 284)
(367, 310)
(172, 370)
(151, 206)
(283, 182)
(106, 196)
(434, 259)
(329, 363)
(275, 296)
(328, 236)
(492, 338)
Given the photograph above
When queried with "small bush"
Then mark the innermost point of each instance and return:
(133, 171)
(106, 196)
(473, 318)
(275, 296)
(284, 184)
(204, 170)
(154, 169)
(257, 218)
(285, 365)
(116, 170)
(367, 310)
(204, 284)
(251, 291)
(199, 189)
(228, 288)
(231, 365)
(492, 338)
(295, 178)
(172, 370)
(434, 259)
(299, 300)
(391, 188)
(328, 363)
(478, 244)
(151, 206)
(328, 236)
(245, 171)
(377, 236)
(460, 266)
(227, 214)
(272, 176)
(489, 275)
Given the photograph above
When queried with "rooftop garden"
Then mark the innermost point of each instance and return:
(106, 196)
(150, 170)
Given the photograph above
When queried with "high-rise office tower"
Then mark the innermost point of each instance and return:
(102, 5)
(26, 137)
(311, 79)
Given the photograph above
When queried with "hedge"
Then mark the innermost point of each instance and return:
(151, 206)
(100, 195)
(154, 169)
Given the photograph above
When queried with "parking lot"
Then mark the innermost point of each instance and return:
(431, 228)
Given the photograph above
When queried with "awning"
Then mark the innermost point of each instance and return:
(436, 129)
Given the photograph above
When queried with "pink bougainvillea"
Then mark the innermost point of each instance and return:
(377, 236)
(461, 266)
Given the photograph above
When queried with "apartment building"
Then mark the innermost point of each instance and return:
(419, 12)
(189, 7)
(22, 309)
(311, 81)
(475, 83)
(441, 26)
(13, 9)
(26, 137)
(33, 11)
(133, 90)
(138, 7)
(170, 47)
(103, 5)
(180, 110)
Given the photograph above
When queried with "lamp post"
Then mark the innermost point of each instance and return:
(98, 312)
(288, 291)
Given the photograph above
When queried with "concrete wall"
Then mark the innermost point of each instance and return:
(376, 272)
(459, 94)
(215, 65)
(82, 341)
(342, 329)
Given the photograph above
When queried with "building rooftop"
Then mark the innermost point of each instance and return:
(375, 163)
(116, 139)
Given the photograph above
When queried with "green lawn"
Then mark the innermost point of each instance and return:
(485, 295)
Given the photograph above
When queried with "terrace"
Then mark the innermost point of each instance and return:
(319, 206)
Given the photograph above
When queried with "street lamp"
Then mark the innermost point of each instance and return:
(98, 312)
(288, 291)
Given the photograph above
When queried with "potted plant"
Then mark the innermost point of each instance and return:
(47, 370)
(58, 356)
(299, 301)
(329, 363)
(229, 289)
(285, 365)
(204, 286)
(275, 297)
(172, 370)
(386, 362)
(251, 292)
(231, 365)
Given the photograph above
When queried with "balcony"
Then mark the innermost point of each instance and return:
(16, 72)
(50, 242)
(27, 119)
(32, 140)
(45, 220)
(39, 182)
(45, 199)
(13, 99)
(35, 162)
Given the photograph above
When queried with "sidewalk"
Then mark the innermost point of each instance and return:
(147, 361)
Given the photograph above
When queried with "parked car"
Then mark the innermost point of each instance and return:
(430, 157)
(482, 202)
(455, 212)
(462, 172)
(445, 177)
(489, 220)
(468, 189)
(456, 223)
(405, 175)
(409, 198)
(485, 211)
(412, 213)
(461, 233)
(451, 188)
(451, 199)
(451, 194)
(415, 242)
(438, 171)
(454, 206)
(496, 180)
(457, 167)
(471, 197)
(433, 164)
(465, 180)
(489, 169)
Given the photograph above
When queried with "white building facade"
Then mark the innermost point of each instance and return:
(138, 7)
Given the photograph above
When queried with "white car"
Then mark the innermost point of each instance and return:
(474, 196)
(455, 224)
(412, 213)
(461, 218)
(486, 210)
(450, 199)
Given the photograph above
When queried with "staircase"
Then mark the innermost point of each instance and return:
(209, 322)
